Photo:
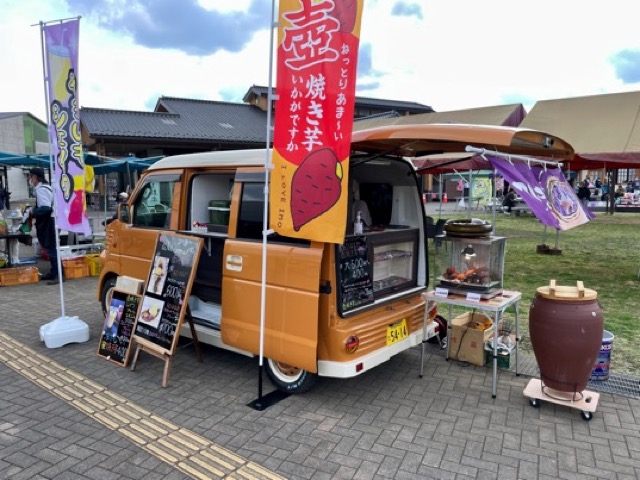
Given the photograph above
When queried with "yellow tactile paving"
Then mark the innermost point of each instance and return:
(185, 450)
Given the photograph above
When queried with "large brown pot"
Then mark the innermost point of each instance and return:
(565, 327)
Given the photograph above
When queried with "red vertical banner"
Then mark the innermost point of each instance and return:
(316, 76)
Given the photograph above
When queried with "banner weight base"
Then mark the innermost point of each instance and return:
(64, 330)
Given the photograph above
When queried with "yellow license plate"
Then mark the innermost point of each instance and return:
(396, 332)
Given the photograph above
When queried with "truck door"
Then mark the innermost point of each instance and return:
(292, 285)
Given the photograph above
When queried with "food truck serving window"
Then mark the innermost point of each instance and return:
(152, 205)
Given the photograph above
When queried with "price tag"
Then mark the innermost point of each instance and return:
(442, 292)
(473, 297)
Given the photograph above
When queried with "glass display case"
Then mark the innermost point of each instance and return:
(376, 264)
(470, 264)
(394, 260)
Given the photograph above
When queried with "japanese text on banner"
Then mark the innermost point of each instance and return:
(317, 57)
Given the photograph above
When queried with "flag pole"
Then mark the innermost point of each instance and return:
(258, 404)
(54, 187)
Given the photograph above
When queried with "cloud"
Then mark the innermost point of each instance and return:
(627, 65)
(403, 9)
(365, 66)
(185, 26)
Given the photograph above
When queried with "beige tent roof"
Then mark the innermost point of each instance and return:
(599, 127)
(500, 115)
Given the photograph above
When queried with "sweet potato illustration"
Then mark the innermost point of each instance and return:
(345, 12)
(315, 186)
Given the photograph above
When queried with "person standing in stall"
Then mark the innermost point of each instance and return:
(45, 222)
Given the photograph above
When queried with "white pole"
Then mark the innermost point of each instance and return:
(268, 167)
(494, 196)
(440, 187)
(524, 158)
(63, 329)
(54, 187)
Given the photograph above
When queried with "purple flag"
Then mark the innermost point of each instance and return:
(546, 192)
(61, 60)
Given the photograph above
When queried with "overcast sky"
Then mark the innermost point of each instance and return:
(449, 54)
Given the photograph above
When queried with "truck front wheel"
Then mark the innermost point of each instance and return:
(288, 378)
(106, 293)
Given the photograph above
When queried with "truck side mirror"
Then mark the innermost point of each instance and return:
(123, 212)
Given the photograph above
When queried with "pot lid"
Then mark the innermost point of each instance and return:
(568, 293)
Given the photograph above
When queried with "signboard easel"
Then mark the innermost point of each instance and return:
(164, 304)
(115, 339)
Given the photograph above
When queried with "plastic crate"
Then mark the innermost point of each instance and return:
(504, 358)
(75, 268)
(93, 263)
(18, 276)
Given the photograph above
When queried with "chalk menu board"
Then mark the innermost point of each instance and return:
(118, 327)
(167, 290)
(355, 272)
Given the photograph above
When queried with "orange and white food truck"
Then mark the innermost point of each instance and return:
(331, 310)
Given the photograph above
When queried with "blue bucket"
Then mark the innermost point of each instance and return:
(601, 368)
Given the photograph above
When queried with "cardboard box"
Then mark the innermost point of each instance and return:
(129, 284)
(466, 343)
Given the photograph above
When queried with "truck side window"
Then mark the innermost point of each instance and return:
(250, 221)
(152, 205)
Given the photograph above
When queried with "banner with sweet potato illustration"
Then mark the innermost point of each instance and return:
(316, 75)
(61, 60)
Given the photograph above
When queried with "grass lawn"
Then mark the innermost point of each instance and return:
(604, 254)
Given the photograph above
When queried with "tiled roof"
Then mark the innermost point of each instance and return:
(180, 119)
(361, 102)
(389, 114)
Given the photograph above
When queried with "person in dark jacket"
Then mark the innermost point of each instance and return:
(509, 200)
(45, 222)
(5, 196)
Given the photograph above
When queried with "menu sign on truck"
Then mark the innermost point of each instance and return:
(355, 284)
(168, 287)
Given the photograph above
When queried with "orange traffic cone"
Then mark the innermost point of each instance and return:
(444, 198)
(433, 197)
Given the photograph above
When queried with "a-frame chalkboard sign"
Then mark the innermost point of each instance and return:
(118, 327)
(164, 302)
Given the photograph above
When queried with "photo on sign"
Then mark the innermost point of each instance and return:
(112, 322)
(158, 275)
(150, 312)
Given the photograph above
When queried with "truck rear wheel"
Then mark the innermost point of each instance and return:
(288, 378)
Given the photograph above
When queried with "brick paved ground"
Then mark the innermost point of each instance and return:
(387, 423)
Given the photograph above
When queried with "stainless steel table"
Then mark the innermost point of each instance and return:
(497, 305)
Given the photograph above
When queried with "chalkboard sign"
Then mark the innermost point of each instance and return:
(355, 285)
(167, 290)
(118, 327)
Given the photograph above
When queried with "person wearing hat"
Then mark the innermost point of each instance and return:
(45, 223)
(122, 197)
